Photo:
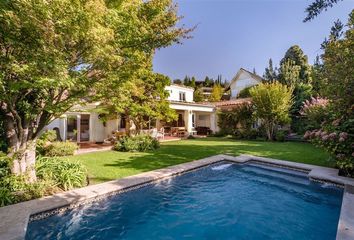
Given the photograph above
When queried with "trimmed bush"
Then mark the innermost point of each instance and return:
(139, 143)
(58, 149)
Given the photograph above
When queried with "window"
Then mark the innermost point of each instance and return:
(182, 96)
(122, 121)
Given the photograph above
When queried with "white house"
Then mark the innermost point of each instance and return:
(82, 123)
(242, 80)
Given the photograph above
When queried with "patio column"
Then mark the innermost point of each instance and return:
(213, 122)
(78, 127)
(189, 122)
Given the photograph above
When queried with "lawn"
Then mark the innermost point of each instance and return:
(109, 165)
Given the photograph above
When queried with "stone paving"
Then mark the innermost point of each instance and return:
(15, 218)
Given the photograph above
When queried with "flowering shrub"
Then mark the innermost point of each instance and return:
(314, 112)
(339, 144)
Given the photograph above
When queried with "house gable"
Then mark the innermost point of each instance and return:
(242, 80)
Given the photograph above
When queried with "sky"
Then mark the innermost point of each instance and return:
(231, 34)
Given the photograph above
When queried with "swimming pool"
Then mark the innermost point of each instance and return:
(220, 201)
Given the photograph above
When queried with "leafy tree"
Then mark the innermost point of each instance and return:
(272, 102)
(316, 76)
(297, 58)
(198, 95)
(54, 55)
(208, 82)
(270, 73)
(289, 73)
(338, 72)
(142, 97)
(192, 82)
(216, 93)
(177, 81)
(48, 61)
(186, 81)
(295, 72)
(317, 7)
(336, 133)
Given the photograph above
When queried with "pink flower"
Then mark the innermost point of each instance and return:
(324, 133)
(333, 135)
(318, 133)
(352, 154)
(341, 139)
(340, 156)
(307, 135)
(343, 135)
(336, 122)
(325, 137)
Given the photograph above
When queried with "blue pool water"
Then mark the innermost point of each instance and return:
(222, 201)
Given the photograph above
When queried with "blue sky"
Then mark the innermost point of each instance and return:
(239, 33)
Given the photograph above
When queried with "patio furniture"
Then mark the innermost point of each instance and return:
(203, 130)
(157, 134)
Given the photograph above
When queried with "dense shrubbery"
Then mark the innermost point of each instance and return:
(138, 143)
(57, 149)
(238, 119)
(48, 146)
(337, 139)
(65, 174)
(54, 174)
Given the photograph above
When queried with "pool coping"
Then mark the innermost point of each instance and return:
(15, 218)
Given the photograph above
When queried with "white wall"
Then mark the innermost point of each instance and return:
(174, 91)
(57, 123)
(244, 81)
(97, 130)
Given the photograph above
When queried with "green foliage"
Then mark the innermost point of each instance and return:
(198, 95)
(296, 59)
(6, 197)
(138, 143)
(3, 144)
(272, 103)
(270, 73)
(238, 120)
(317, 7)
(57, 149)
(216, 93)
(65, 174)
(336, 130)
(54, 174)
(44, 140)
(280, 135)
(245, 93)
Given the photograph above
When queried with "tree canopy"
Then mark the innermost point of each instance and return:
(272, 102)
(55, 54)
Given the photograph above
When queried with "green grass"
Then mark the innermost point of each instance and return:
(109, 165)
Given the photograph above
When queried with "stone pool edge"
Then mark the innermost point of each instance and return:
(15, 218)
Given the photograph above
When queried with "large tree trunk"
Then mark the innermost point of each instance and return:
(21, 148)
(24, 161)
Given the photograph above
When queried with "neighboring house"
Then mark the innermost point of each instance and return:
(82, 123)
(242, 80)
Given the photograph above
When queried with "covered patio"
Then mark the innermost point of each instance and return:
(193, 119)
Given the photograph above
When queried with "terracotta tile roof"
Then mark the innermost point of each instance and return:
(229, 103)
